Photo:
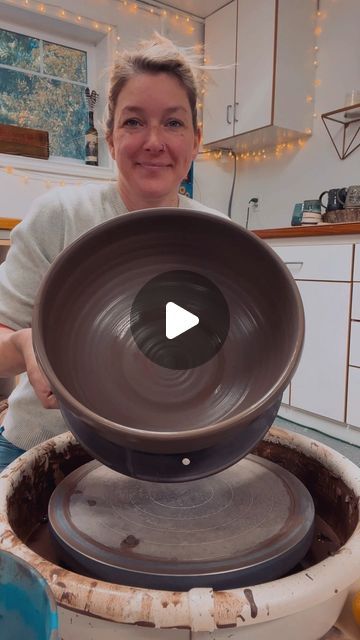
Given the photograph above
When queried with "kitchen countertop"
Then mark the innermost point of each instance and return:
(9, 223)
(310, 230)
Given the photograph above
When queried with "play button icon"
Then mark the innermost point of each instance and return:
(179, 319)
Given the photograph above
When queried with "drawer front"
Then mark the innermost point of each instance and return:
(355, 345)
(318, 262)
(353, 408)
(357, 263)
(355, 311)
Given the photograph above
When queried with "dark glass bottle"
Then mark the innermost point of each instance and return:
(91, 142)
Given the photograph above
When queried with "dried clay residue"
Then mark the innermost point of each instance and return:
(250, 598)
(130, 541)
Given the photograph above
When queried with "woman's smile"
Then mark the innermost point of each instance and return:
(153, 165)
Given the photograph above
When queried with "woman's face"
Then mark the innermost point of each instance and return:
(153, 141)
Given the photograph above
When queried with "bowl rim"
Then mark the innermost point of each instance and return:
(192, 435)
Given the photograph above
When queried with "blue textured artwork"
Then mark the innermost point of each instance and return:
(186, 187)
(42, 87)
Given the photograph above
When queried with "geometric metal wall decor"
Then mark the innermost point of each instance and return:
(344, 139)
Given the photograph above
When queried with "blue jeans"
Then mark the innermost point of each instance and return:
(8, 451)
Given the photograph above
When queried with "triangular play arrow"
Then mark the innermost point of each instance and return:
(178, 320)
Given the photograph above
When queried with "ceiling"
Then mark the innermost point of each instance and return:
(199, 8)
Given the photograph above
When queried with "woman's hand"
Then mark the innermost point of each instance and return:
(22, 340)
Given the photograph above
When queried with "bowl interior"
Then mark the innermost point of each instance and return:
(83, 337)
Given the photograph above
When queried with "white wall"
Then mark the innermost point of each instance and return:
(305, 172)
(17, 195)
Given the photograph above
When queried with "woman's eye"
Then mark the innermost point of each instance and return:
(174, 124)
(132, 123)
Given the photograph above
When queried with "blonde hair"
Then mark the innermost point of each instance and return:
(158, 55)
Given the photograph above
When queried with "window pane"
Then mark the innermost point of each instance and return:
(64, 62)
(19, 51)
(40, 103)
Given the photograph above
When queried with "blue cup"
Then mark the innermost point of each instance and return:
(27, 606)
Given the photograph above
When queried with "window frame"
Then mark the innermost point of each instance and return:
(58, 164)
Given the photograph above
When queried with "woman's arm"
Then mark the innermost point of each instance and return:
(35, 243)
(11, 360)
(16, 356)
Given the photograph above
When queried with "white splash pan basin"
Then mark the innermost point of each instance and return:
(303, 606)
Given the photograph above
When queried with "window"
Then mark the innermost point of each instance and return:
(42, 86)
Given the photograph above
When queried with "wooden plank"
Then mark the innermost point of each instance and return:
(9, 223)
(22, 141)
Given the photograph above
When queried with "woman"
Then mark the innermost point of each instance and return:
(153, 136)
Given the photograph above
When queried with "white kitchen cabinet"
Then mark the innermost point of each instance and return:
(354, 359)
(353, 405)
(318, 262)
(353, 397)
(353, 394)
(356, 302)
(220, 50)
(319, 384)
(357, 264)
(323, 276)
(255, 63)
(259, 95)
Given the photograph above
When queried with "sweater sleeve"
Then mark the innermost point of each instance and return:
(35, 243)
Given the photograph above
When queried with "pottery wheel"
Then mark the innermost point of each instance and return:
(248, 524)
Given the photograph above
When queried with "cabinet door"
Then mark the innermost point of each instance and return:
(220, 49)
(353, 407)
(357, 263)
(255, 64)
(319, 385)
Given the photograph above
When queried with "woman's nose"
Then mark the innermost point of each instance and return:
(154, 141)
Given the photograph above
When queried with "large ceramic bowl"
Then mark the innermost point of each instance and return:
(117, 401)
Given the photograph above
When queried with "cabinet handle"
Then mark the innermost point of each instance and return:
(228, 109)
(299, 264)
(236, 119)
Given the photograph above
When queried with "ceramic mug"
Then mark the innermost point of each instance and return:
(336, 199)
(353, 197)
(312, 205)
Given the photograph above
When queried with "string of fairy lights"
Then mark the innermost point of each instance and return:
(182, 21)
(180, 18)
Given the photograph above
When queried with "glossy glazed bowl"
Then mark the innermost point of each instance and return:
(117, 401)
(27, 604)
